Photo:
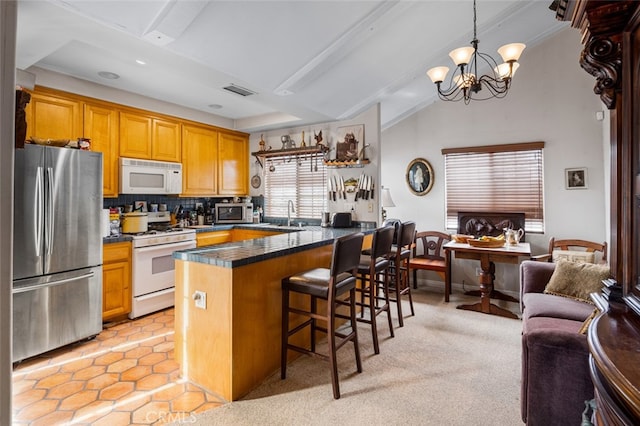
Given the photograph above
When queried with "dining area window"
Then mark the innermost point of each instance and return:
(300, 179)
(496, 178)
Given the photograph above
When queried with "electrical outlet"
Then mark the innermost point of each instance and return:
(200, 299)
(370, 208)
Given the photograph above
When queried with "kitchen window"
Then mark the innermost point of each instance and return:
(498, 178)
(301, 179)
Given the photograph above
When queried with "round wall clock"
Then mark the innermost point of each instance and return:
(420, 176)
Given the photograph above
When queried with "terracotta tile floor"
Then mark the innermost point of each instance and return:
(127, 375)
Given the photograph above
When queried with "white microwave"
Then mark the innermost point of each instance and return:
(234, 212)
(149, 177)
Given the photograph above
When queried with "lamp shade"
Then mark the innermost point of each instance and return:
(461, 55)
(506, 70)
(511, 52)
(438, 74)
(386, 200)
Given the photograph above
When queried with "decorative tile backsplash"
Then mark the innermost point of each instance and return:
(172, 202)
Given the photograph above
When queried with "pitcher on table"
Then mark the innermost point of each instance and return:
(513, 236)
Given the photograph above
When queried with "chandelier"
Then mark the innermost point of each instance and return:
(465, 84)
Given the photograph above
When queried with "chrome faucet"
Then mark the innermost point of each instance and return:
(290, 208)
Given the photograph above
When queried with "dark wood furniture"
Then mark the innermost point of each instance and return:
(489, 223)
(611, 37)
(399, 268)
(429, 255)
(488, 257)
(373, 273)
(325, 284)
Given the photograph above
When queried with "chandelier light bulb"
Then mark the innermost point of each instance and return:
(461, 55)
(438, 74)
(511, 52)
(506, 70)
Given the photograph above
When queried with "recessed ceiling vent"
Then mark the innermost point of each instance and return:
(239, 90)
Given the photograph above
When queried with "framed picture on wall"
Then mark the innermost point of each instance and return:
(576, 178)
(419, 176)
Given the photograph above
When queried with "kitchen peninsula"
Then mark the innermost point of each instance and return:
(232, 344)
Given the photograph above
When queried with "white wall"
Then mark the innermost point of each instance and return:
(551, 100)
(366, 210)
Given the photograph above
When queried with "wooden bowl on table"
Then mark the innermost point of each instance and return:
(491, 243)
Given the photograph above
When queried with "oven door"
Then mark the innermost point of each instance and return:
(153, 267)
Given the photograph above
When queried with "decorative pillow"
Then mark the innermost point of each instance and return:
(576, 280)
(574, 256)
(587, 322)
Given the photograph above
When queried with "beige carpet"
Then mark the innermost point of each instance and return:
(444, 367)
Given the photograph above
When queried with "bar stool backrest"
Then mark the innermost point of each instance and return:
(407, 234)
(346, 253)
(382, 241)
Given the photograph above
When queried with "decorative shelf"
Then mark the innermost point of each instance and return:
(292, 152)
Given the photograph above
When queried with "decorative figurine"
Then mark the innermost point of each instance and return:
(302, 144)
(318, 138)
(262, 143)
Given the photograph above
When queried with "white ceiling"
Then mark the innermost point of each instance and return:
(306, 61)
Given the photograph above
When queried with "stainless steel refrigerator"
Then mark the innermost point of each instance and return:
(57, 248)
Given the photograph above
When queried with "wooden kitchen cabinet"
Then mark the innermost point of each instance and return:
(211, 238)
(199, 160)
(116, 280)
(150, 138)
(50, 116)
(101, 126)
(233, 164)
(165, 143)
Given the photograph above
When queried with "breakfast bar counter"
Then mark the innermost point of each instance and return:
(231, 344)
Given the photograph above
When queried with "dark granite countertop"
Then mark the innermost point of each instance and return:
(239, 253)
(119, 239)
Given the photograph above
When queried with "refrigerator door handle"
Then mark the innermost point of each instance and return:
(52, 284)
(37, 218)
(50, 219)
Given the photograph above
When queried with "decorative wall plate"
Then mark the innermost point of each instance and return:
(256, 181)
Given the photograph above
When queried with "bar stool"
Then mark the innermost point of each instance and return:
(326, 284)
(399, 271)
(373, 272)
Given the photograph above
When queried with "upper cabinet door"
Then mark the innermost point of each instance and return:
(135, 135)
(101, 126)
(165, 144)
(53, 117)
(199, 160)
(233, 164)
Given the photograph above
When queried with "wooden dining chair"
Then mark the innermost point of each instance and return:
(428, 255)
(573, 249)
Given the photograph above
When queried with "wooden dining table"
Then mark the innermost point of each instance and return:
(487, 257)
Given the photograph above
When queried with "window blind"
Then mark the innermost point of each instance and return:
(498, 178)
(302, 180)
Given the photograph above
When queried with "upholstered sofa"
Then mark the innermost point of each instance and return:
(555, 354)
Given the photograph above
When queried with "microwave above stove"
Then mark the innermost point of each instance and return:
(150, 177)
(233, 212)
